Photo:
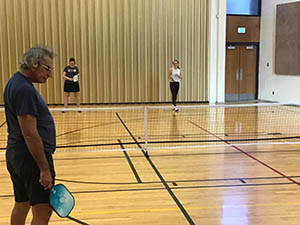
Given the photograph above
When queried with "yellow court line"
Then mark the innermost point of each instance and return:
(174, 209)
(187, 208)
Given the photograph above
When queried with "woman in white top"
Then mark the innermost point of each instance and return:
(175, 76)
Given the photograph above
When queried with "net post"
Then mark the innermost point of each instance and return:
(146, 129)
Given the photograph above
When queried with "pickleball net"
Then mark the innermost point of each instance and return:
(159, 127)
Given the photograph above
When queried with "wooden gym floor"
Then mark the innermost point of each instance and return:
(225, 185)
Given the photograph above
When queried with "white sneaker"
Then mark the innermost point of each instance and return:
(176, 109)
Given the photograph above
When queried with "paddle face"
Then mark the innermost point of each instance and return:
(76, 78)
(61, 200)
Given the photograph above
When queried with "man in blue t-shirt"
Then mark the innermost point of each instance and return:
(31, 138)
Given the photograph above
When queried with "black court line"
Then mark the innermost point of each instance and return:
(291, 151)
(184, 187)
(85, 128)
(247, 154)
(2, 124)
(107, 139)
(137, 177)
(180, 206)
(218, 140)
(222, 140)
(94, 126)
(95, 182)
(174, 142)
(174, 188)
(242, 179)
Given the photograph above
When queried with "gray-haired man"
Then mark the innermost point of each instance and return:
(31, 138)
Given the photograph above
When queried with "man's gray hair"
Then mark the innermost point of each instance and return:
(35, 56)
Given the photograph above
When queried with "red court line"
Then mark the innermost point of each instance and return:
(247, 154)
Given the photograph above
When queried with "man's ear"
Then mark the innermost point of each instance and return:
(34, 66)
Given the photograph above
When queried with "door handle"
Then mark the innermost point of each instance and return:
(237, 74)
(241, 74)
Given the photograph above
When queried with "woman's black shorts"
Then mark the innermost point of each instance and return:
(71, 87)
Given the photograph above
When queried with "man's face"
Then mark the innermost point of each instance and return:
(43, 71)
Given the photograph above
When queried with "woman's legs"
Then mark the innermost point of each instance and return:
(66, 99)
(174, 86)
(77, 95)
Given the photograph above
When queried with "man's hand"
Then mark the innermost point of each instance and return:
(45, 179)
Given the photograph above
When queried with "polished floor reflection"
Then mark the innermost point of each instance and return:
(230, 184)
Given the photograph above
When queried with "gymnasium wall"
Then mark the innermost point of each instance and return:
(274, 87)
(123, 48)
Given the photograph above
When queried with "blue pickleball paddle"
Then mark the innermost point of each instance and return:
(62, 202)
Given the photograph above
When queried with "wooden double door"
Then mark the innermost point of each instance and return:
(241, 73)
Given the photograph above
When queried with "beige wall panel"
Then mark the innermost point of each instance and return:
(123, 48)
(287, 47)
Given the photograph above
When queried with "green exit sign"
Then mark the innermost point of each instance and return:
(241, 30)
